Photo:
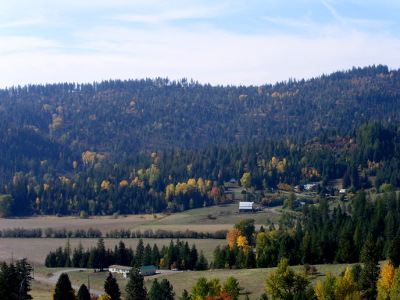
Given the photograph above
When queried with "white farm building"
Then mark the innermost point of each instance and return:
(246, 206)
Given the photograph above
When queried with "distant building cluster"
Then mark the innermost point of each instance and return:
(125, 271)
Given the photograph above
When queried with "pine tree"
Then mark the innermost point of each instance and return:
(8, 282)
(64, 290)
(139, 253)
(23, 269)
(185, 295)
(101, 254)
(167, 290)
(394, 252)
(155, 291)
(83, 293)
(202, 263)
(135, 288)
(111, 287)
(370, 272)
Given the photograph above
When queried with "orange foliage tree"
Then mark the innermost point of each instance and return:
(232, 236)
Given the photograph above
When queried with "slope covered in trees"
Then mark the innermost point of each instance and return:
(149, 145)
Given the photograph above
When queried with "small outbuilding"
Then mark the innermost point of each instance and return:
(148, 270)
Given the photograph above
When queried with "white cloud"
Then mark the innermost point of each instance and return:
(121, 47)
(214, 56)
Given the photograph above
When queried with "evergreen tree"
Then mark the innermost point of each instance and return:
(394, 252)
(111, 287)
(23, 269)
(101, 254)
(167, 290)
(83, 293)
(370, 272)
(185, 295)
(147, 255)
(63, 289)
(155, 256)
(202, 263)
(155, 291)
(135, 289)
(139, 253)
(8, 282)
(161, 291)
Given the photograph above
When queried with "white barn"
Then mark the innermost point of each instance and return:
(246, 206)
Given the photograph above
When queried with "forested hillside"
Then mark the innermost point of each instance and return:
(149, 145)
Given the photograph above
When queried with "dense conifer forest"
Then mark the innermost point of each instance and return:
(151, 145)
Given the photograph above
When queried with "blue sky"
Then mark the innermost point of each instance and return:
(219, 42)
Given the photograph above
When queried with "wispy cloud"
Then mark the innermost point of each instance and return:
(171, 15)
(334, 13)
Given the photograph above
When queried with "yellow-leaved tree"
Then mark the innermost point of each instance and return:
(346, 287)
(325, 290)
(386, 281)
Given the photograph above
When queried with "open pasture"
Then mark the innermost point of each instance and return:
(251, 280)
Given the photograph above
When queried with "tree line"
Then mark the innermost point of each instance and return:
(49, 232)
(178, 255)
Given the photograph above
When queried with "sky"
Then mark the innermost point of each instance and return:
(234, 42)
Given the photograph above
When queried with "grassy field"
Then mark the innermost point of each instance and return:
(41, 291)
(251, 280)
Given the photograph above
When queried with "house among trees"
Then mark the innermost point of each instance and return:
(246, 207)
(310, 186)
(125, 271)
